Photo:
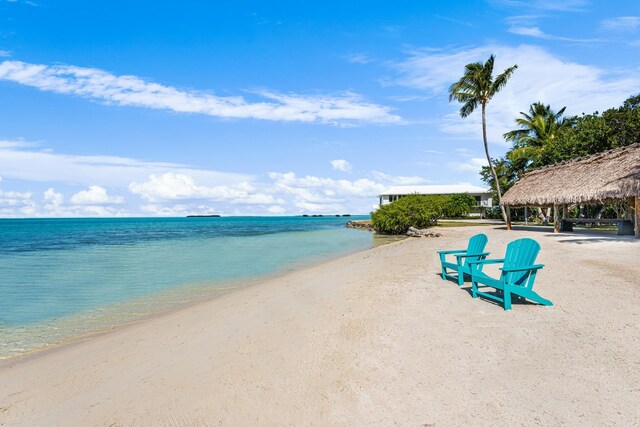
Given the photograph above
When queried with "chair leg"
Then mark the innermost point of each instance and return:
(460, 277)
(444, 270)
(507, 298)
(474, 288)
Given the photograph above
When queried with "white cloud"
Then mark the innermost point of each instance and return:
(341, 165)
(527, 31)
(319, 207)
(343, 109)
(541, 76)
(176, 186)
(16, 203)
(317, 189)
(628, 24)
(473, 164)
(53, 198)
(538, 33)
(95, 195)
(178, 210)
(20, 160)
(390, 180)
(85, 204)
(97, 211)
(357, 58)
(27, 2)
(326, 195)
(172, 189)
(276, 210)
(13, 203)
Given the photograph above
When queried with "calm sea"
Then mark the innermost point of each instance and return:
(61, 278)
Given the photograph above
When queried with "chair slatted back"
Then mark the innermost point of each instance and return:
(476, 245)
(520, 253)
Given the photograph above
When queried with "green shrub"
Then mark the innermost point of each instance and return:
(458, 205)
(409, 211)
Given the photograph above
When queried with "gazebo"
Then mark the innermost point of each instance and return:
(598, 178)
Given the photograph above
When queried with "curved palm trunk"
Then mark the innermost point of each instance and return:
(506, 219)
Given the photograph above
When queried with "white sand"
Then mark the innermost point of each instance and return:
(375, 338)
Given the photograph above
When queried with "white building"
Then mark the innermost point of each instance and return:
(481, 194)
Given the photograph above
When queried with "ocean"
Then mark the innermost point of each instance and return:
(63, 278)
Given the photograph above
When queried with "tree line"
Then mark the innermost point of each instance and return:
(545, 137)
(542, 135)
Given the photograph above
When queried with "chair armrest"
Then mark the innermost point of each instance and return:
(487, 261)
(453, 251)
(472, 255)
(530, 267)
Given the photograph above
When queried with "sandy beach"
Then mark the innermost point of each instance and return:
(373, 338)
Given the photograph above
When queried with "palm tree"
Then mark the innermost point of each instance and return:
(476, 88)
(538, 130)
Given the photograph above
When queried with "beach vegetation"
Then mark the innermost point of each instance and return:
(458, 205)
(536, 135)
(475, 89)
(545, 137)
(420, 211)
(409, 211)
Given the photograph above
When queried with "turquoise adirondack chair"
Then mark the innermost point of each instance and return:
(517, 274)
(474, 252)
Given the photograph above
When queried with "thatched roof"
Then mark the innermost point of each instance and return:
(613, 174)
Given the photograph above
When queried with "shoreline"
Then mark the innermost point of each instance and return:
(211, 294)
(373, 337)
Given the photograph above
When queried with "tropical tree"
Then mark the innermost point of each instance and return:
(414, 210)
(459, 205)
(476, 88)
(537, 135)
(594, 133)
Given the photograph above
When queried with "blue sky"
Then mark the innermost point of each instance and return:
(126, 108)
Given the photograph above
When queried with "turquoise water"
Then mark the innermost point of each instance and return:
(61, 278)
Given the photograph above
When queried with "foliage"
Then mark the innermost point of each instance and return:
(420, 211)
(545, 138)
(409, 211)
(508, 172)
(476, 88)
(594, 133)
(458, 205)
(536, 133)
(493, 213)
(571, 138)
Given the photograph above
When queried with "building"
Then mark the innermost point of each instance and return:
(481, 194)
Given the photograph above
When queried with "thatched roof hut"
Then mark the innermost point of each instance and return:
(611, 175)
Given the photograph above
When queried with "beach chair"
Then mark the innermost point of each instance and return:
(474, 252)
(517, 274)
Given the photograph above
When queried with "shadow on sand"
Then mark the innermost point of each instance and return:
(516, 300)
(578, 236)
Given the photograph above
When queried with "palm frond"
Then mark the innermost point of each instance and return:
(501, 80)
(469, 107)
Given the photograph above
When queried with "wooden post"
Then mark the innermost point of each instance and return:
(508, 217)
(556, 220)
(636, 216)
(526, 216)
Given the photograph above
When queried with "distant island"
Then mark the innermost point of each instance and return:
(203, 216)
(320, 215)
